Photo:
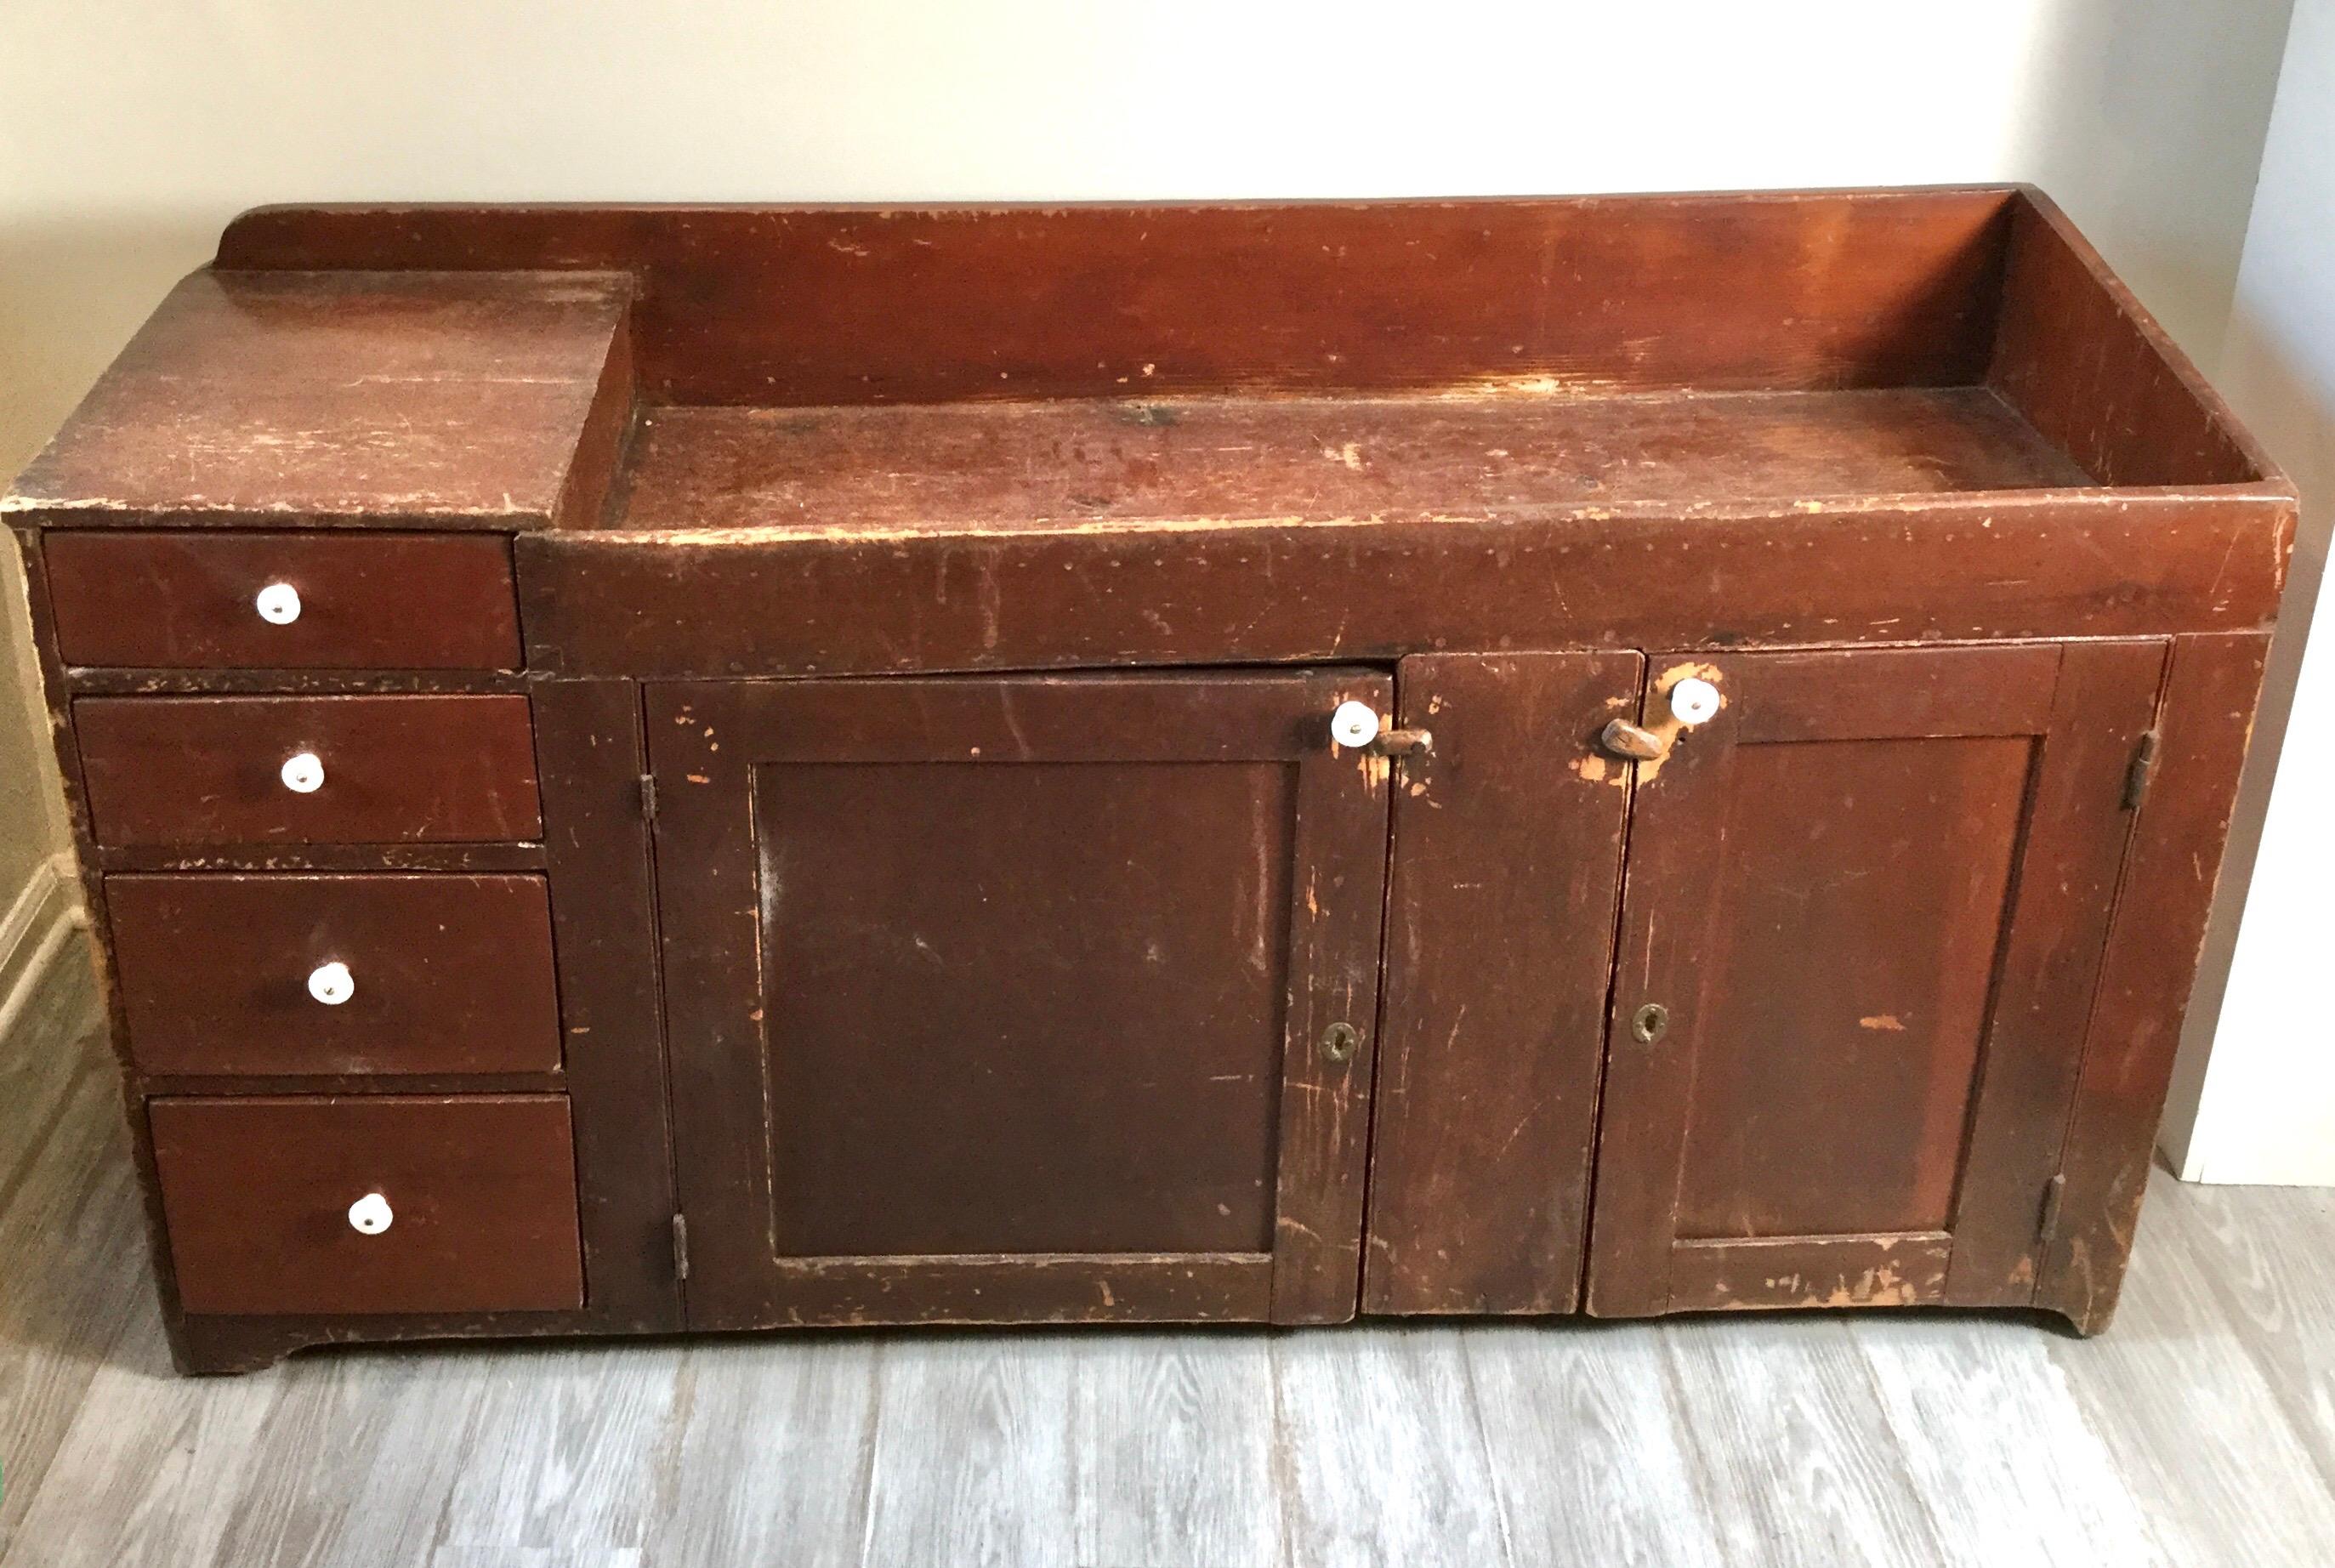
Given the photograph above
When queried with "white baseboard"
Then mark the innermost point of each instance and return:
(41, 922)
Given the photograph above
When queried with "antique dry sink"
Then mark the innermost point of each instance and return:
(656, 769)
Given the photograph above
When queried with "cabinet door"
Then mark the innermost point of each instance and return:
(1024, 998)
(1869, 897)
(1506, 867)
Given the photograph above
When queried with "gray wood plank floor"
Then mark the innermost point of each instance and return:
(2199, 1430)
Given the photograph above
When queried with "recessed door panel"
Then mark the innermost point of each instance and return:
(1850, 992)
(1025, 1008)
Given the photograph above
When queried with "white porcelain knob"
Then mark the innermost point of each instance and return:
(332, 983)
(369, 1215)
(303, 773)
(278, 604)
(1694, 700)
(1354, 724)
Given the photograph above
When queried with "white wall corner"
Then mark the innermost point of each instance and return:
(2253, 1092)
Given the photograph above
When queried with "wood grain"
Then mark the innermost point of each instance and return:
(2185, 1411)
(2006, 1464)
(482, 1189)
(1209, 439)
(1379, 1454)
(2204, 719)
(1871, 893)
(204, 770)
(2264, 1274)
(449, 399)
(924, 305)
(379, 601)
(2131, 410)
(1017, 465)
(741, 602)
(590, 754)
(452, 975)
(1506, 869)
(1030, 967)
(1948, 1439)
(1591, 1457)
(807, 1408)
(70, 1217)
(1790, 1444)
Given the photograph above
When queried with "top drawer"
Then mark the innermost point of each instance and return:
(332, 601)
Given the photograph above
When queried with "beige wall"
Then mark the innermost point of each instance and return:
(133, 131)
(31, 815)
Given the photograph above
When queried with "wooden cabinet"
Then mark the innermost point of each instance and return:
(729, 768)
(1018, 998)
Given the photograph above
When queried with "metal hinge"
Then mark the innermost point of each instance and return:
(2047, 1220)
(2139, 771)
(681, 1246)
(648, 797)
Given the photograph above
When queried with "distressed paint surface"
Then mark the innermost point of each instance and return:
(693, 443)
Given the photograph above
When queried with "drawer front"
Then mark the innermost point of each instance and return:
(308, 601)
(192, 770)
(265, 1200)
(335, 974)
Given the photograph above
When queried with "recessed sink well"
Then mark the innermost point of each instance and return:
(1465, 451)
(941, 370)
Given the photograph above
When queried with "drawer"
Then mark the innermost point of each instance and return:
(312, 601)
(263, 1200)
(183, 771)
(335, 974)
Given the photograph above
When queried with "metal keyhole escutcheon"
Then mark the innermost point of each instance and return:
(1339, 1041)
(1650, 1023)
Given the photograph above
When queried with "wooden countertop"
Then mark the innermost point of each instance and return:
(428, 399)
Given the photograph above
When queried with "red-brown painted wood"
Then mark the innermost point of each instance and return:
(278, 400)
(1026, 967)
(481, 1189)
(953, 467)
(1870, 895)
(452, 974)
(2131, 409)
(806, 307)
(588, 740)
(193, 770)
(740, 602)
(381, 601)
(588, 746)
(2210, 691)
(1449, 437)
(1507, 864)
